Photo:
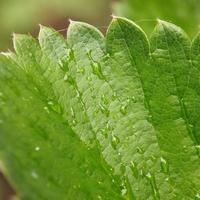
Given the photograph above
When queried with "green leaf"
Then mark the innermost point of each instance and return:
(94, 117)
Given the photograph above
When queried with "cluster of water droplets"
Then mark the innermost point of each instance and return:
(96, 66)
(53, 106)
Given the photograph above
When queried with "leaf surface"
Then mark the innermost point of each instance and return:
(96, 117)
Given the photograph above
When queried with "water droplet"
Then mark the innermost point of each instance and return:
(114, 141)
(141, 172)
(111, 169)
(91, 89)
(46, 109)
(99, 197)
(164, 165)
(185, 148)
(133, 99)
(72, 112)
(50, 103)
(70, 55)
(122, 167)
(36, 89)
(37, 148)
(148, 175)
(89, 78)
(140, 150)
(66, 77)
(96, 69)
(99, 182)
(104, 132)
(134, 169)
(34, 175)
(124, 191)
(123, 187)
(104, 99)
(73, 116)
(152, 181)
(55, 106)
(107, 56)
(104, 109)
(149, 117)
(197, 196)
(198, 149)
(191, 125)
(64, 64)
(123, 109)
(114, 96)
(80, 70)
(153, 158)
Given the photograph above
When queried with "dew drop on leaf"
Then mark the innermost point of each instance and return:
(198, 148)
(123, 109)
(37, 148)
(197, 196)
(46, 109)
(133, 99)
(64, 64)
(134, 169)
(124, 191)
(114, 96)
(80, 70)
(153, 158)
(99, 197)
(139, 150)
(152, 181)
(89, 78)
(122, 167)
(114, 141)
(96, 69)
(104, 109)
(185, 148)
(55, 106)
(70, 55)
(34, 175)
(66, 77)
(74, 122)
(141, 172)
(104, 132)
(36, 89)
(104, 99)
(72, 113)
(164, 165)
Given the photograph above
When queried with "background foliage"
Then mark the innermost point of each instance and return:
(185, 13)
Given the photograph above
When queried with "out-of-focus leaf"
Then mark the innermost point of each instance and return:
(185, 13)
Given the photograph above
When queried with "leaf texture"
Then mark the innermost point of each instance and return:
(94, 117)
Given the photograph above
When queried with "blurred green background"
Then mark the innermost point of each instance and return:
(185, 13)
(23, 16)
